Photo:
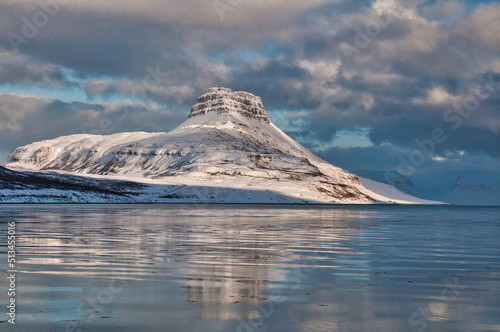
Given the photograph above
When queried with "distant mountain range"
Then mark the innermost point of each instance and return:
(227, 151)
(474, 189)
(467, 189)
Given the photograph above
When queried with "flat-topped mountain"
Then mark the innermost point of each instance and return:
(224, 100)
(227, 148)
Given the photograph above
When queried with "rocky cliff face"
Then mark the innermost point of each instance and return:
(224, 100)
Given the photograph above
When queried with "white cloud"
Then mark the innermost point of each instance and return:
(483, 27)
(402, 9)
(437, 96)
(438, 159)
(447, 11)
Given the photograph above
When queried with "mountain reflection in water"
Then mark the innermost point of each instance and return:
(230, 267)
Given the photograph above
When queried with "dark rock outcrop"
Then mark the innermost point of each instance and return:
(224, 100)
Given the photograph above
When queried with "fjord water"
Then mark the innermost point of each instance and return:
(254, 268)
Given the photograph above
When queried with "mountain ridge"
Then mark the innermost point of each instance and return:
(227, 142)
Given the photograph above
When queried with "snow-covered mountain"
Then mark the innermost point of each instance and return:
(468, 188)
(393, 178)
(226, 151)
(475, 189)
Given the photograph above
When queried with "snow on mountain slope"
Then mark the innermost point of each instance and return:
(227, 142)
(61, 187)
(393, 178)
(384, 191)
(52, 187)
(469, 188)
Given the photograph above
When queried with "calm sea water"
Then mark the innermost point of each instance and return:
(253, 268)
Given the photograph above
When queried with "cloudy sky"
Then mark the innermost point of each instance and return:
(408, 85)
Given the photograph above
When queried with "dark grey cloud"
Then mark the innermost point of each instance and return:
(97, 44)
(371, 158)
(26, 71)
(273, 80)
(26, 119)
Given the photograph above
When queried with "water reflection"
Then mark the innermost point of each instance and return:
(367, 267)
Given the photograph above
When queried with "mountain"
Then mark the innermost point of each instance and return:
(393, 178)
(475, 189)
(468, 188)
(226, 151)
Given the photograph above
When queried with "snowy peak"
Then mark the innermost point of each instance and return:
(228, 150)
(224, 100)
